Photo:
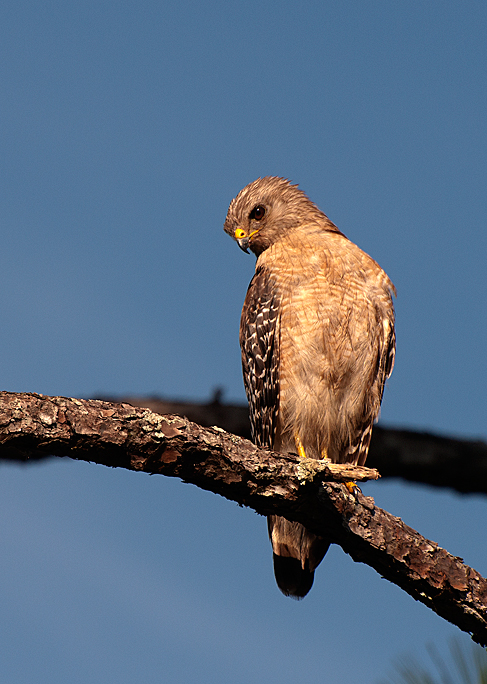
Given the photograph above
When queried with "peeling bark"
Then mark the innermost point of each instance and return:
(120, 435)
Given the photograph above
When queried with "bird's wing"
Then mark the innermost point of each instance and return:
(385, 363)
(259, 341)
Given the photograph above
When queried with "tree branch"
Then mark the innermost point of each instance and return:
(459, 464)
(120, 435)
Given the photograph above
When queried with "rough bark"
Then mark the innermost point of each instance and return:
(120, 435)
(459, 464)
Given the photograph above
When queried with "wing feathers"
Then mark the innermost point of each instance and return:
(259, 341)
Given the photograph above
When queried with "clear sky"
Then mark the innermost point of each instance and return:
(126, 129)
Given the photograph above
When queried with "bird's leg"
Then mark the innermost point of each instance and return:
(350, 484)
(301, 450)
(299, 445)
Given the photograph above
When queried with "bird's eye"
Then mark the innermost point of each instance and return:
(257, 213)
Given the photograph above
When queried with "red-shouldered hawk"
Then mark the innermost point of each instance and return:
(318, 342)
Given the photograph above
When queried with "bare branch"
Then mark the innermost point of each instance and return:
(120, 435)
(459, 464)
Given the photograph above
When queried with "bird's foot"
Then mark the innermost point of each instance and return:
(353, 488)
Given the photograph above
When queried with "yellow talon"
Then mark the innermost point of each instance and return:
(299, 446)
(353, 488)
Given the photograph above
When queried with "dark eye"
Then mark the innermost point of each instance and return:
(257, 213)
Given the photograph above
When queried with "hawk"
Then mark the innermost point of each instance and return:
(318, 343)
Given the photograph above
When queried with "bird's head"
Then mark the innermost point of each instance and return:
(266, 210)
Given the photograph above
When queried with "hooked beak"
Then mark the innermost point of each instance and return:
(243, 243)
(243, 239)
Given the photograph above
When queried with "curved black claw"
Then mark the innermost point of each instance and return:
(353, 488)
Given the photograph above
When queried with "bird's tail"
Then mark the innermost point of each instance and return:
(297, 554)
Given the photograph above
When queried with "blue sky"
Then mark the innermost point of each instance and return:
(125, 131)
